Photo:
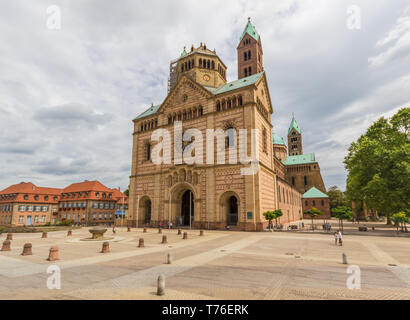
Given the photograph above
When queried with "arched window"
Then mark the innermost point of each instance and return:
(229, 104)
(213, 65)
(250, 71)
(234, 102)
(200, 62)
(208, 64)
(189, 65)
(245, 56)
(246, 72)
(322, 203)
(148, 151)
(218, 106)
(305, 180)
(240, 100)
(230, 138)
(184, 115)
(189, 114)
(223, 104)
(204, 63)
(293, 181)
(249, 54)
(201, 111)
(306, 203)
(169, 119)
(195, 113)
(314, 202)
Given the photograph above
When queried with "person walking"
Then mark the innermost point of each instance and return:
(336, 238)
(339, 236)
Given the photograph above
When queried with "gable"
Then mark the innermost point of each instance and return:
(185, 93)
(263, 84)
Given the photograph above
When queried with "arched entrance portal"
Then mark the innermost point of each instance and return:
(187, 208)
(232, 214)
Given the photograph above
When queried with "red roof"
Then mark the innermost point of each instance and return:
(28, 192)
(120, 196)
(86, 186)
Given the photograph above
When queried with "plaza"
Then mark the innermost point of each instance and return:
(217, 265)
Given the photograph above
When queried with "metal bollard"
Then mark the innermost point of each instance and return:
(169, 258)
(141, 243)
(185, 235)
(44, 235)
(6, 245)
(344, 256)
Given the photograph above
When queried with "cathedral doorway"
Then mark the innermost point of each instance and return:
(187, 208)
(229, 208)
(146, 210)
(232, 217)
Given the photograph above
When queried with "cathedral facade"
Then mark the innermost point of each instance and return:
(213, 195)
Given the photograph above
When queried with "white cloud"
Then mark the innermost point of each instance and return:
(67, 97)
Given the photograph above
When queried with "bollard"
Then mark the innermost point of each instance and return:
(179, 232)
(44, 235)
(145, 230)
(53, 255)
(128, 229)
(141, 243)
(159, 230)
(344, 256)
(27, 250)
(161, 285)
(9, 236)
(169, 259)
(164, 239)
(185, 235)
(69, 233)
(201, 233)
(105, 247)
(6, 246)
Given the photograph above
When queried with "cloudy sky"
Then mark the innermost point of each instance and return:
(67, 96)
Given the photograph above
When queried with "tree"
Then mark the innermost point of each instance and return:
(342, 213)
(378, 166)
(400, 218)
(313, 213)
(270, 215)
(336, 197)
(127, 192)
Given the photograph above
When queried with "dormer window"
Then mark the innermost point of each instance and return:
(103, 195)
(45, 198)
(97, 194)
(25, 197)
(36, 198)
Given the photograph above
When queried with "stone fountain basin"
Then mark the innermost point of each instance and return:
(97, 234)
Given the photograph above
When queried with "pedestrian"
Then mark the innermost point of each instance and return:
(303, 225)
(339, 236)
(114, 229)
(170, 225)
(336, 238)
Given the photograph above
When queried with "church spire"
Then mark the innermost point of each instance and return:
(250, 54)
(294, 138)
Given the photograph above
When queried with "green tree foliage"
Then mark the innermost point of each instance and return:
(400, 219)
(342, 213)
(378, 165)
(336, 198)
(313, 213)
(127, 192)
(270, 215)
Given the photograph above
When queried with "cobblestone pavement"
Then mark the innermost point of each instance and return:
(218, 265)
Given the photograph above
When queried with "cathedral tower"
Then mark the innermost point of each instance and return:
(250, 54)
(294, 139)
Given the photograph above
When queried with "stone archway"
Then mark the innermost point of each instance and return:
(145, 213)
(229, 208)
(183, 202)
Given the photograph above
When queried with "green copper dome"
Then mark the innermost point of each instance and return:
(250, 29)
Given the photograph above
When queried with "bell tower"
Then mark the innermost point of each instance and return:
(250, 54)
(294, 138)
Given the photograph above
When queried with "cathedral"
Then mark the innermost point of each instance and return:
(218, 195)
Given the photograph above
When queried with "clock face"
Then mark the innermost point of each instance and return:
(207, 77)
